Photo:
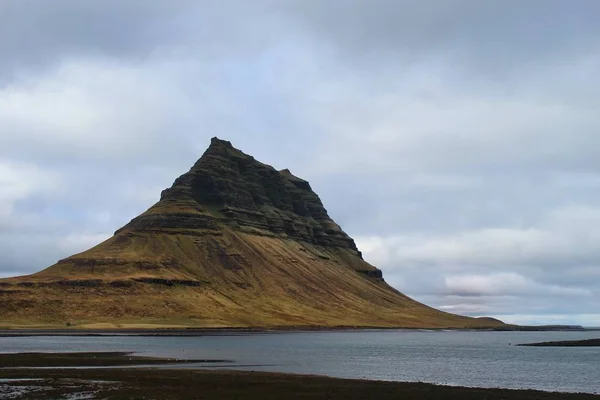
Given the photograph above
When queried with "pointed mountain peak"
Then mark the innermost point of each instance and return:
(222, 149)
(219, 143)
(244, 194)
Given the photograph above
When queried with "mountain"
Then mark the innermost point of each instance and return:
(233, 243)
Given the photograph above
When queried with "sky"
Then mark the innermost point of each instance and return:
(457, 141)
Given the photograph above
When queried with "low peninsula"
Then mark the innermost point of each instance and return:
(566, 343)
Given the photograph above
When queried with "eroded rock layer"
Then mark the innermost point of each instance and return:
(246, 195)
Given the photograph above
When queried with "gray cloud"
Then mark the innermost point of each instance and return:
(471, 37)
(457, 141)
(37, 35)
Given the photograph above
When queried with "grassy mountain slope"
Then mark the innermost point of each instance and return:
(233, 243)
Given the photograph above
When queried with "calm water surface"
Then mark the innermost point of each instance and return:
(485, 359)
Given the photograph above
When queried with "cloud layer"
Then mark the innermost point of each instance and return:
(456, 141)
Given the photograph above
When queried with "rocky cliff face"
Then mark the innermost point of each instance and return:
(233, 188)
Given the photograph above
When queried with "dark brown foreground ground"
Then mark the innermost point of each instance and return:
(154, 383)
(91, 359)
(567, 343)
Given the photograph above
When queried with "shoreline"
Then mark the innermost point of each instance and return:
(226, 384)
(25, 377)
(74, 331)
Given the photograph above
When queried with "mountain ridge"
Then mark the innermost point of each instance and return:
(232, 243)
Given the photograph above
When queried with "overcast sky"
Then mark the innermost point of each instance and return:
(458, 141)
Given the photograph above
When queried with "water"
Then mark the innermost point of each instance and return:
(484, 359)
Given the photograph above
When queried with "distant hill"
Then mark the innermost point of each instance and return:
(233, 243)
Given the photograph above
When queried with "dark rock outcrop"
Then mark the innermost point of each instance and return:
(231, 187)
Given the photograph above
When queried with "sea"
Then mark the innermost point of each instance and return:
(462, 358)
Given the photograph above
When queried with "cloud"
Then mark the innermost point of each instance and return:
(417, 123)
(566, 237)
(20, 182)
(486, 271)
(88, 109)
(489, 40)
(507, 284)
(37, 36)
(591, 320)
(457, 142)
